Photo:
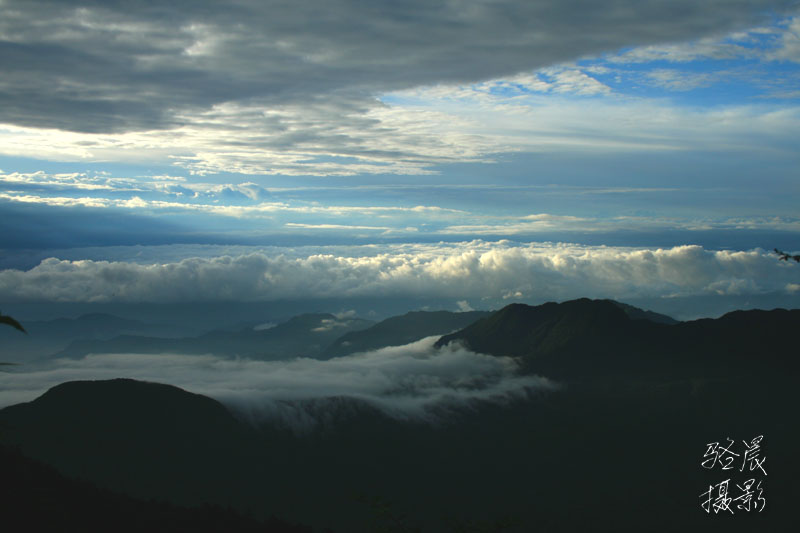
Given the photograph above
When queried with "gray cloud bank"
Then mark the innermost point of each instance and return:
(415, 381)
(111, 66)
(471, 270)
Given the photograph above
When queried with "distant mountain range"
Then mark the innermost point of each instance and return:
(320, 336)
(46, 337)
(305, 335)
(617, 448)
(315, 335)
(601, 338)
(400, 330)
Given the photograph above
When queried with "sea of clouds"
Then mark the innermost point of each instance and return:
(462, 271)
(412, 382)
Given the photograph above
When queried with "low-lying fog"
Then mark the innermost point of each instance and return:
(415, 381)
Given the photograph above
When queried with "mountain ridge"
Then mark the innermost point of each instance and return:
(591, 338)
(304, 335)
(400, 330)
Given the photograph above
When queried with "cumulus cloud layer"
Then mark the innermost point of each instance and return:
(473, 270)
(412, 381)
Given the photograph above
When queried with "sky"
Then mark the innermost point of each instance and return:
(479, 152)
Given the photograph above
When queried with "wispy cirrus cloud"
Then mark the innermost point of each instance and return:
(777, 42)
(788, 48)
(237, 207)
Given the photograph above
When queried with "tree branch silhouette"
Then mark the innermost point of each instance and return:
(785, 257)
(9, 321)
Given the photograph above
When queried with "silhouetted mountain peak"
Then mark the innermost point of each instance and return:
(113, 390)
(121, 404)
(634, 313)
(400, 330)
(572, 309)
(520, 329)
(582, 338)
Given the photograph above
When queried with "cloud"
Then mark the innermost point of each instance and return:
(68, 180)
(777, 42)
(418, 131)
(572, 80)
(748, 60)
(329, 324)
(554, 123)
(788, 48)
(709, 48)
(460, 271)
(97, 183)
(335, 226)
(262, 88)
(464, 306)
(59, 201)
(413, 381)
(565, 79)
(527, 224)
(232, 200)
(114, 67)
(676, 80)
(543, 223)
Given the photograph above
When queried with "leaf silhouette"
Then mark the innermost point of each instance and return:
(785, 257)
(5, 319)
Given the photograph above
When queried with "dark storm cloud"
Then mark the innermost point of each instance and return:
(121, 66)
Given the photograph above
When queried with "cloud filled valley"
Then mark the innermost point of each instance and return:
(416, 382)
